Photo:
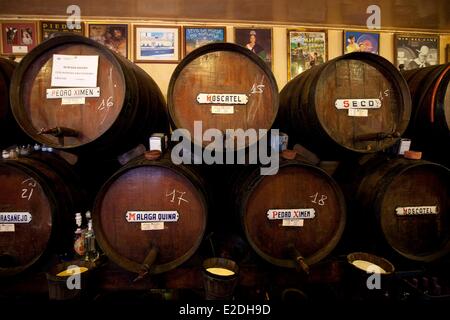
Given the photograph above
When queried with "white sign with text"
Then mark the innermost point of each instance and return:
(357, 103)
(74, 71)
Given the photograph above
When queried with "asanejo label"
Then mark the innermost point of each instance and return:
(15, 217)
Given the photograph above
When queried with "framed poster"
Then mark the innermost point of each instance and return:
(305, 49)
(361, 42)
(18, 37)
(258, 40)
(112, 36)
(157, 44)
(49, 28)
(195, 37)
(416, 51)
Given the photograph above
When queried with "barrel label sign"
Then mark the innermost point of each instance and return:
(7, 228)
(222, 98)
(67, 101)
(59, 93)
(15, 217)
(292, 222)
(415, 211)
(357, 104)
(358, 112)
(281, 214)
(150, 226)
(222, 109)
(152, 216)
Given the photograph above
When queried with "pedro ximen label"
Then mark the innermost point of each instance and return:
(358, 103)
(58, 93)
(15, 217)
(414, 211)
(152, 216)
(222, 98)
(281, 214)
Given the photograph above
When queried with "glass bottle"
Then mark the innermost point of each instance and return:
(78, 244)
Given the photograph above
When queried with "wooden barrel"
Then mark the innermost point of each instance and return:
(225, 86)
(401, 207)
(10, 132)
(429, 127)
(150, 216)
(294, 217)
(128, 108)
(40, 196)
(355, 103)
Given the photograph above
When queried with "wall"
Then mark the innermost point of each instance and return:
(161, 72)
(430, 15)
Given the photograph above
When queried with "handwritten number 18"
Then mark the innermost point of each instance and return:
(321, 201)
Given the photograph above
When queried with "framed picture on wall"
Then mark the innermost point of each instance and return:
(361, 42)
(305, 50)
(48, 29)
(416, 51)
(18, 37)
(258, 40)
(112, 36)
(157, 44)
(195, 37)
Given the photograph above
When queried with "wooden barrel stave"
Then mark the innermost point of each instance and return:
(144, 185)
(294, 187)
(329, 131)
(114, 122)
(430, 122)
(228, 69)
(380, 185)
(46, 187)
(10, 132)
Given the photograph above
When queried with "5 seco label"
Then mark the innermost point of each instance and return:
(357, 104)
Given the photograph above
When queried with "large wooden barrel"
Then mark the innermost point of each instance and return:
(401, 207)
(429, 127)
(225, 86)
(151, 215)
(296, 216)
(10, 132)
(355, 103)
(39, 198)
(129, 106)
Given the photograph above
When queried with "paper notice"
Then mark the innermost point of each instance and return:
(74, 71)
